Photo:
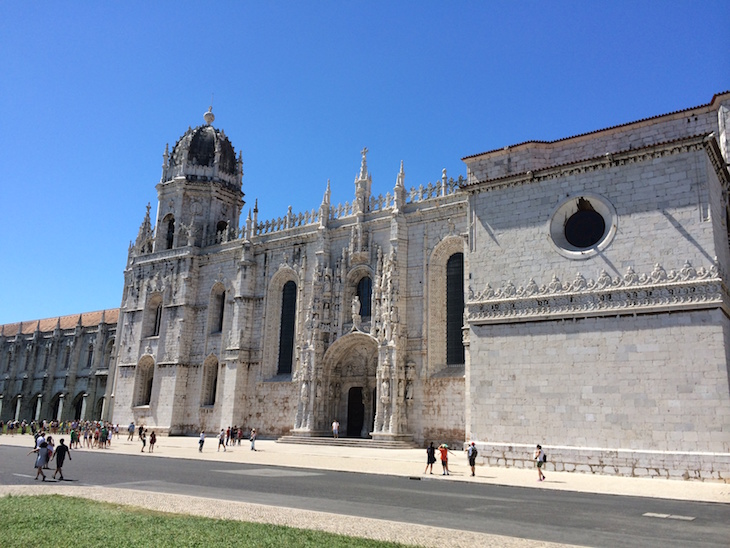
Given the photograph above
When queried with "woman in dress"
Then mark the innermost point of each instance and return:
(41, 459)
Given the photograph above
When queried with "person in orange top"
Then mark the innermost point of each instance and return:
(444, 450)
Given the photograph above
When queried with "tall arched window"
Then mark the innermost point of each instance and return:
(365, 295)
(210, 382)
(216, 308)
(221, 308)
(454, 309)
(286, 332)
(145, 378)
(90, 356)
(170, 233)
(158, 320)
(152, 316)
(67, 356)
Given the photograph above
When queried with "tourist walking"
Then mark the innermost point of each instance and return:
(336, 428)
(41, 459)
(143, 437)
(153, 440)
(444, 451)
(540, 457)
(471, 454)
(60, 456)
(51, 450)
(252, 439)
(430, 457)
(201, 441)
(222, 440)
(130, 430)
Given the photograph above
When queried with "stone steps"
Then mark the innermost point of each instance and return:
(348, 442)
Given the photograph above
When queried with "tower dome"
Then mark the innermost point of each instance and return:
(204, 154)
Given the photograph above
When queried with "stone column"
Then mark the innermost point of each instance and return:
(17, 408)
(1, 406)
(83, 408)
(60, 408)
(103, 407)
(38, 408)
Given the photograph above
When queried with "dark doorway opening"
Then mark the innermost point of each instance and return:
(355, 412)
(77, 407)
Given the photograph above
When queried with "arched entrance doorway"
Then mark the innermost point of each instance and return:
(350, 365)
(356, 424)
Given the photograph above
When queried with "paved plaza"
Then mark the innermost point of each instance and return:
(399, 462)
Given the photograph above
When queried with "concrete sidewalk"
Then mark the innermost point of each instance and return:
(408, 463)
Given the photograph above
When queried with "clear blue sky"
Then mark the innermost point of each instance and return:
(90, 93)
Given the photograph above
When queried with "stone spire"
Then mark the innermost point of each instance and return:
(364, 163)
(324, 208)
(145, 230)
(399, 192)
(165, 161)
(363, 183)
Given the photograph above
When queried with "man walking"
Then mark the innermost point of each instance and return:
(60, 456)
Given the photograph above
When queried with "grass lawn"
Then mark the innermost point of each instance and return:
(54, 520)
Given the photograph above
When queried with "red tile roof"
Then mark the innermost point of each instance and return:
(87, 319)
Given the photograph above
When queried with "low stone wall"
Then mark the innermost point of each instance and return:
(612, 462)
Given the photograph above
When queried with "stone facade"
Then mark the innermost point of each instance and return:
(571, 293)
(616, 351)
(286, 325)
(57, 368)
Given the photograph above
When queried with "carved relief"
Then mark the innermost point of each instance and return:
(687, 286)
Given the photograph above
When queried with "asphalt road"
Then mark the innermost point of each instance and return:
(537, 514)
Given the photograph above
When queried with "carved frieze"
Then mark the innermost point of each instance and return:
(654, 291)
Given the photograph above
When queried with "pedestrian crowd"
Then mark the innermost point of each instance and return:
(89, 434)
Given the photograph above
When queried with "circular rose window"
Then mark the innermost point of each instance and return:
(582, 225)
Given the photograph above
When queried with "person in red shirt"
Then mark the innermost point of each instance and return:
(444, 450)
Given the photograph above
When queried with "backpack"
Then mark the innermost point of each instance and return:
(544, 457)
(474, 451)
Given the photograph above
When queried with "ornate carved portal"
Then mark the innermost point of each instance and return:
(343, 387)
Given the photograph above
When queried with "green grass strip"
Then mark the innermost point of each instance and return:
(55, 520)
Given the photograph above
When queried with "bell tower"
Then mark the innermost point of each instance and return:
(199, 193)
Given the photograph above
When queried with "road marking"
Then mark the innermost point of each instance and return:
(668, 516)
(270, 473)
(23, 475)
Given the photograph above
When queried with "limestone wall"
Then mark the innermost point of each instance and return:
(439, 411)
(661, 215)
(651, 382)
